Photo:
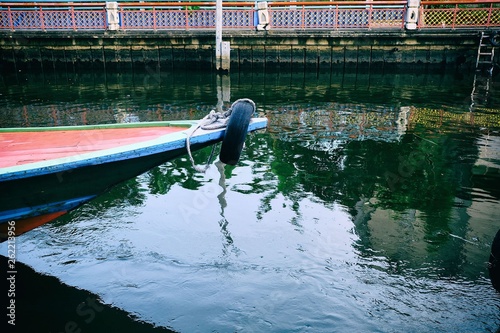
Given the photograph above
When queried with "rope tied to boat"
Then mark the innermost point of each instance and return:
(493, 261)
(213, 120)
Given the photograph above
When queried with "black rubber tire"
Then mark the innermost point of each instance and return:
(494, 266)
(236, 131)
(495, 38)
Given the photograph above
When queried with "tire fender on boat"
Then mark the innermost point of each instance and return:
(236, 131)
(495, 38)
(494, 263)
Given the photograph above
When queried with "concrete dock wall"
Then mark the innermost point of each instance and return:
(38, 50)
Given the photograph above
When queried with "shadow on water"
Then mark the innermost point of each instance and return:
(44, 304)
(494, 262)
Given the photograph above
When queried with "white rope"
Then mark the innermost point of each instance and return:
(211, 121)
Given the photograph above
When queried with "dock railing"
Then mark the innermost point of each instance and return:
(243, 15)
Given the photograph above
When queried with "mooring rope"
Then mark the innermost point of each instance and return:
(493, 263)
(211, 121)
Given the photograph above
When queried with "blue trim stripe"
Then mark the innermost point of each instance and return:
(26, 212)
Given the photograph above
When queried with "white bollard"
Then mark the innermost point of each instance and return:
(412, 10)
(112, 15)
(263, 16)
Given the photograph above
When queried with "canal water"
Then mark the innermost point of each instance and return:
(369, 204)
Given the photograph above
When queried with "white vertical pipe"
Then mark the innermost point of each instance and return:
(218, 34)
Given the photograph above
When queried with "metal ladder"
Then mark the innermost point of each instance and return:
(480, 90)
(485, 51)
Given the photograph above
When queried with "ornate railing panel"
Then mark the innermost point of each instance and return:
(459, 17)
(61, 19)
(241, 15)
(337, 18)
(388, 18)
(354, 18)
(184, 19)
(26, 20)
(137, 19)
(170, 19)
(238, 18)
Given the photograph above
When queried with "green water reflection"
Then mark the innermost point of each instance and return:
(413, 159)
